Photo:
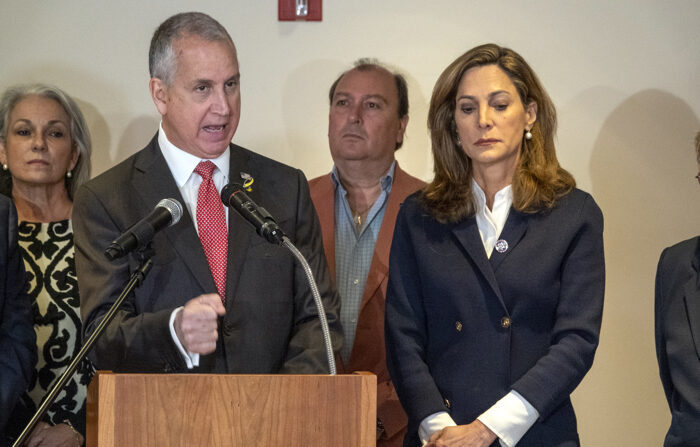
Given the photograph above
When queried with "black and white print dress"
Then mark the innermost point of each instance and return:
(49, 261)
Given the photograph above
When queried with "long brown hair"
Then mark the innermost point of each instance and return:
(539, 180)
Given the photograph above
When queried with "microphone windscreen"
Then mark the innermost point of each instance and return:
(174, 207)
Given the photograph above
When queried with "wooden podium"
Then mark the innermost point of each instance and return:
(231, 410)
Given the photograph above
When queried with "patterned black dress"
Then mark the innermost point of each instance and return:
(49, 259)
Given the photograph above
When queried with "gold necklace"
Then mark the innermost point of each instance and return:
(357, 219)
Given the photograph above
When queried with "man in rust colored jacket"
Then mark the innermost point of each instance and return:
(357, 204)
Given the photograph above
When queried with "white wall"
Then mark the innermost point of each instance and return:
(623, 74)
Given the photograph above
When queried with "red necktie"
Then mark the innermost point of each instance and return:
(211, 225)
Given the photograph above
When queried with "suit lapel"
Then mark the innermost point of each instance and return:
(154, 182)
(467, 233)
(692, 300)
(239, 231)
(324, 195)
(379, 269)
(513, 232)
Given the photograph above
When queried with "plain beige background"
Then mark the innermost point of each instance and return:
(623, 75)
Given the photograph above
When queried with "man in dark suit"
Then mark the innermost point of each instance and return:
(17, 337)
(677, 324)
(219, 298)
(357, 204)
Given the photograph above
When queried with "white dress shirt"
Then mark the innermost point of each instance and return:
(512, 416)
(182, 165)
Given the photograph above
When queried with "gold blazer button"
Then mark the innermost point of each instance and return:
(505, 322)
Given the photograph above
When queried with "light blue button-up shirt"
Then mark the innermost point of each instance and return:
(354, 247)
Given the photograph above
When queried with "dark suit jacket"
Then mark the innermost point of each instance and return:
(271, 323)
(463, 330)
(17, 337)
(677, 317)
(368, 351)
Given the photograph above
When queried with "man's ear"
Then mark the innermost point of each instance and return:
(159, 94)
(403, 123)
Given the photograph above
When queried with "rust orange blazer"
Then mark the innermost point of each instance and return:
(368, 352)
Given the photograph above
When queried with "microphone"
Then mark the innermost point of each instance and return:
(166, 213)
(234, 196)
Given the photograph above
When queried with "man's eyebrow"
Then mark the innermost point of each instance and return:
(202, 81)
(365, 97)
(375, 96)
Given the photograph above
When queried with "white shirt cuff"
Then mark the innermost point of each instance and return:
(191, 358)
(434, 423)
(510, 418)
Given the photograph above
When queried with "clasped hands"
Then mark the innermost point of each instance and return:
(475, 434)
(196, 325)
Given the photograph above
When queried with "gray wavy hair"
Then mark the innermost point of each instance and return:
(79, 133)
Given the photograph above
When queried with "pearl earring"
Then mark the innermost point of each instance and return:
(528, 135)
(4, 167)
(459, 141)
(69, 174)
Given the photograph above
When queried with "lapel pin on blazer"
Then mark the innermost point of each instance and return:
(247, 181)
(501, 245)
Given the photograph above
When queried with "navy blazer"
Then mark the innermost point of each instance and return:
(463, 329)
(271, 323)
(677, 323)
(17, 337)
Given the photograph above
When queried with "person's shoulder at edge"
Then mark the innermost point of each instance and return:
(682, 246)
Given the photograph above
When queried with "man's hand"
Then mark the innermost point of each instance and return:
(196, 324)
(475, 434)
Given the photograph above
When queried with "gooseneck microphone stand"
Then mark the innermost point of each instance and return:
(317, 299)
(144, 256)
(234, 195)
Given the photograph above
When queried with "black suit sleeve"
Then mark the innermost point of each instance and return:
(406, 324)
(17, 337)
(659, 293)
(135, 340)
(306, 351)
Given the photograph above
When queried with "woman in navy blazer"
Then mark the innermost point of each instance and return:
(497, 273)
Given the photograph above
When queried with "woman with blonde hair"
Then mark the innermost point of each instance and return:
(496, 274)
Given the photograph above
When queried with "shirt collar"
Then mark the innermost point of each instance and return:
(503, 197)
(386, 181)
(182, 163)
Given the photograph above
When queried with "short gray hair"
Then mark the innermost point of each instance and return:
(162, 61)
(79, 132)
